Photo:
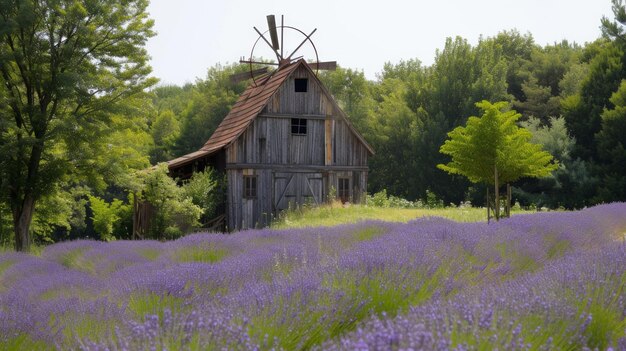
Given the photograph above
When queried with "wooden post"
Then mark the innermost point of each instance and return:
(497, 194)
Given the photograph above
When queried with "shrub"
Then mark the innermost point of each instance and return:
(173, 206)
(379, 199)
(105, 216)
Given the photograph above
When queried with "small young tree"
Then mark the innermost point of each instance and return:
(492, 149)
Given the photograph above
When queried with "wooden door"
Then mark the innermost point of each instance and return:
(311, 185)
(294, 188)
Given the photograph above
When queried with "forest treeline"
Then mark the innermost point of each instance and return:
(572, 98)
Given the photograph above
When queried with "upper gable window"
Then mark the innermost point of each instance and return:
(301, 85)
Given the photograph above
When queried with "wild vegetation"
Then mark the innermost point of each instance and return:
(545, 281)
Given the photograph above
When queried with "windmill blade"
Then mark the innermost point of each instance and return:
(271, 23)
(268, 43)
(302, 43)
(239, 77)
(328, 65)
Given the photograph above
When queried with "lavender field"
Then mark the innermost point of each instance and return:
(532, 282)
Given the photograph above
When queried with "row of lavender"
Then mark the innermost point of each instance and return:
(554, 280)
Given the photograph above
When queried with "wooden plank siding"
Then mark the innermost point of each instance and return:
(293, 169)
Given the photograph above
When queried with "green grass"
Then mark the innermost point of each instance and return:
(206, 254)
(24, 342)
(74, 260)
(335, 214)
(149, 254)
(145, 304)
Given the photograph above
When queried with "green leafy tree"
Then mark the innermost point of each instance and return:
(612, 149)
(415, 78)
(205, 191)
(615, 28)
(572, 184)
(452, 78)
(210, 101)
(165, 131)
(392, 125)
(517, 50)
(571, 82)
(175, 212)
(105, 216)
(64, 65)
(539, 103)
(492, 149)
(352, 92)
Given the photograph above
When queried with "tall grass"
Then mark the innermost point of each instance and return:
(336, 213)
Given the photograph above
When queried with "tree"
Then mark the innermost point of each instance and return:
(165, 130)
(105, 215)
(175, 212)
(392, 125)
(569, 186)
(210, 101)
(611, 141)
(64, 66)
(492, 149)
(582, 111)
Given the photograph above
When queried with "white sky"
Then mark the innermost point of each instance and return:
(193, 35)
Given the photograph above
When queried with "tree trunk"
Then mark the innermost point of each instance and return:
(22, 217)
(497, 194)
(488, 206)
(508, 200)
(23, 205)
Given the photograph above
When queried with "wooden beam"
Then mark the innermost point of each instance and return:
(327, 66)
(295, 167)
(292, 115)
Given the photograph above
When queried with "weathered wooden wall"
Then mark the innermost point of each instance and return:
(293, 169)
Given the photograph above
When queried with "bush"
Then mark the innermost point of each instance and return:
(205, 191)
(106, 215)
(432, 201)
(173, 205)
(379, 199)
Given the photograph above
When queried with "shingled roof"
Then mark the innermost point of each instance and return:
(248, 106)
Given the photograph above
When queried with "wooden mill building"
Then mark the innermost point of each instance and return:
(285, 142)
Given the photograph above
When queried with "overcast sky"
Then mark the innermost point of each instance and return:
(193, 35)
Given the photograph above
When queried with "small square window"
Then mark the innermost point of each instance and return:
(249, 187)
(301, 85)
(298, 126)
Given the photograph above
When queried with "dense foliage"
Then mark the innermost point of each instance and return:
(546, 281)
(67, 68)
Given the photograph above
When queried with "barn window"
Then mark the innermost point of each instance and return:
(249, 187)
(343, 190)
(301, 85)
(298, 126)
